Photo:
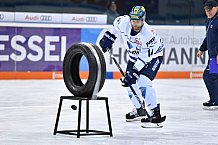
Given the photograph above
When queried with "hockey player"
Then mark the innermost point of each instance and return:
(145, 51)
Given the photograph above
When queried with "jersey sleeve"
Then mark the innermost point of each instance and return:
(117, 24)
(203, 46)
(115, 29)
(143, 58)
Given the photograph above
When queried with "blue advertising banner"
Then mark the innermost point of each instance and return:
(35, 49)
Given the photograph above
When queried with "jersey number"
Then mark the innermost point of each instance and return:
(150, 52)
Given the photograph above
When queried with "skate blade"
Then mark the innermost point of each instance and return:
(135, 119)
(213, 108)
(151, 125)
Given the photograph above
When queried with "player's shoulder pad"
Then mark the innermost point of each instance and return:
(121, 20)
(147, 31)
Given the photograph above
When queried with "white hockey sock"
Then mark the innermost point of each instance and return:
(148, 92)
(134, 99)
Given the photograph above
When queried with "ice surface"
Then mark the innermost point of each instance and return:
(28, 112)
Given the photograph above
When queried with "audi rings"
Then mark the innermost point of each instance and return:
(45, 18)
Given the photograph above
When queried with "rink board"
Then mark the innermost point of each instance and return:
(36, 51)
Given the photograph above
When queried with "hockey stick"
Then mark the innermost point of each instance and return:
(133, 91)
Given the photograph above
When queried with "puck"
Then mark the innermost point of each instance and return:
(74, 107)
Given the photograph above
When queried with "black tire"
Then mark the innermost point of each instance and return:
(71, 70)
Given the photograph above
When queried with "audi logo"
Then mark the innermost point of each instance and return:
(45, 18)
(91, 19)
(2, 16)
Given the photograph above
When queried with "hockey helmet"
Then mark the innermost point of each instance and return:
(137, 13)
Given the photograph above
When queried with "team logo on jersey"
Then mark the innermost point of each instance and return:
(138, 42)
(150, 42)
(135, 52)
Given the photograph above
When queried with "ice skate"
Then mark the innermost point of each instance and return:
(154, 121)
(210, 105)
(135, 115)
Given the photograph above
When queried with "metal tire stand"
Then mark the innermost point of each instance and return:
(79, 131)
(87, 131)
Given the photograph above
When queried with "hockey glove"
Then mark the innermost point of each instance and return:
(131, 77)
(107, 41)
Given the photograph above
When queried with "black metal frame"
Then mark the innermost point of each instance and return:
(79, 131)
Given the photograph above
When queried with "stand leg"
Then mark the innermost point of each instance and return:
(79, 119)
(108, 116)
(58, 115)
(87, 116)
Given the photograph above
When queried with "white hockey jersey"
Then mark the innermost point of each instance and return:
(143, 47)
